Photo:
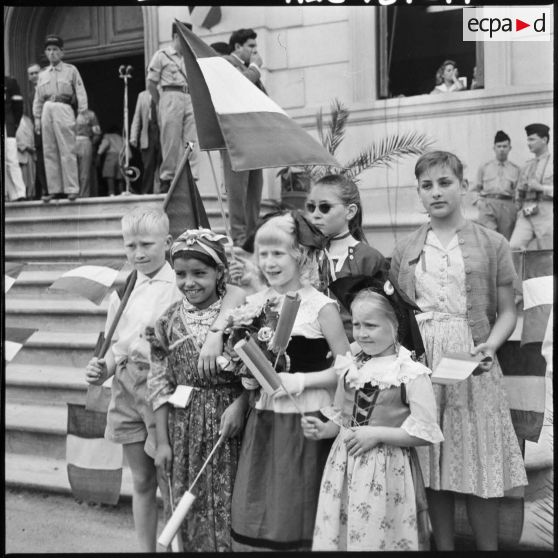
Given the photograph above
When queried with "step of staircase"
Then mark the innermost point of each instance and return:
(38, 430)
(77, 223)
(53, 348)
(56, 315)
(39, 384)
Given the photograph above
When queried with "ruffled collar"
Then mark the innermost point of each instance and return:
(384, 372)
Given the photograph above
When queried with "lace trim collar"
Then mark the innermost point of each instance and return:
(384, 372)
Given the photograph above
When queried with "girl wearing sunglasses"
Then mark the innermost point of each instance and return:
(334, 207)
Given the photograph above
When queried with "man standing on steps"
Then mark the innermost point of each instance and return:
(58, 85)
(244, 188)
(144, 134)
(40, 177)
(496, 182)
(176, 115)
(535, 193)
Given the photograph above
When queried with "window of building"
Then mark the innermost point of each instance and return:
(413, 43)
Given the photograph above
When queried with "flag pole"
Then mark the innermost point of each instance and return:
(177, 174)
(221, 206)
(118, 315)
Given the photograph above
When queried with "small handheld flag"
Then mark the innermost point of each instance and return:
(89, 281)
(286, 322)
(11, 273)
(259, 366)
(185, 504)
(257, 363)
(15, 338)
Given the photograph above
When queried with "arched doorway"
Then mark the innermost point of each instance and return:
(98, 39)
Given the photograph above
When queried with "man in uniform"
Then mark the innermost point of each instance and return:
(58, 84)
(535, 193)
(176, 115)
(40, 176)
(496, 182)
(244, 188)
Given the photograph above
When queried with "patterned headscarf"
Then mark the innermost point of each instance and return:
(203, 241)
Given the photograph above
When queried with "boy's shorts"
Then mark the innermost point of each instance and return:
(130, 417)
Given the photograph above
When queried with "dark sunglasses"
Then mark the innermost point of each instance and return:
(322, 207)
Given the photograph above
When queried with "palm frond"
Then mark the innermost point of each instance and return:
(333, 136)
(543, 512)
(387, 151)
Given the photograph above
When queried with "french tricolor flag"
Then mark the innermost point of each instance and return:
(521, 357)
(205, 16)
(89, 281)
(232, 113)
(14, 339)
(11, 273)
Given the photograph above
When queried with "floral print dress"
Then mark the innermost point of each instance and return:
(371, 502)
(193, 431)
(480, 454)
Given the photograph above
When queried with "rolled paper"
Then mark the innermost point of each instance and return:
(176, 519)
(286, 322)
(253, 357)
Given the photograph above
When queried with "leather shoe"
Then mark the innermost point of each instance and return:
(164, 186)
(47, 198)
(72, 197)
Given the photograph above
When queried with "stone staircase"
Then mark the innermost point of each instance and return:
(48, 372)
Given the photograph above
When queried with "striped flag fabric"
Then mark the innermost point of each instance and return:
(89, 281)
(232, 113)
(205, 16)
(94, 465)
(14, 339)
(11, 273)
(254, 359)
(520, 357)
(184, 206)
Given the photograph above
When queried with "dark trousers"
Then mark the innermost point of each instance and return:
(244, 194)
(151, 159)
(40, 176)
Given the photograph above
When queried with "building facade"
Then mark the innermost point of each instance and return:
(379, 61)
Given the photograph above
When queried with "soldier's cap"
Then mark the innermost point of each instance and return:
(541, 130)
(54, 40)
(175, 29)
(501, 136)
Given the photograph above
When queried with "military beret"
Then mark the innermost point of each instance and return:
(175, 29)
(501, 136)
(541, 130)
(54, 40)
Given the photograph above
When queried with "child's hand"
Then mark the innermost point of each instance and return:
(95, 370)
(232, 420)
(312, 427)
(212, 348)
(163, 459)
(237, 269)
(361, 439)
(487, 352)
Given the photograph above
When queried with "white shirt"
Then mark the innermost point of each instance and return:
(149, 299)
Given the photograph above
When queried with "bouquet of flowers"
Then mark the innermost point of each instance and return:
(258, 322)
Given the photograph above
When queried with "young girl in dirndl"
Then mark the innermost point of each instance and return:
(371, 496)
